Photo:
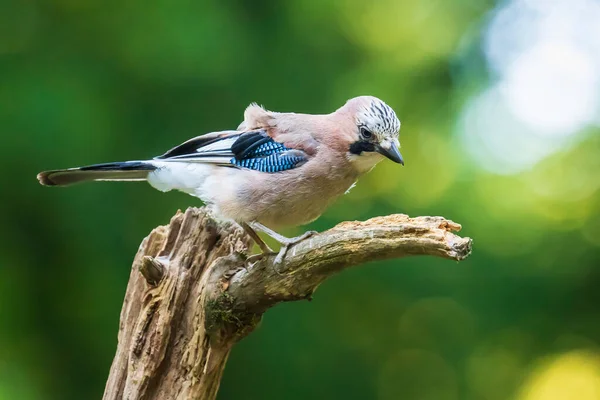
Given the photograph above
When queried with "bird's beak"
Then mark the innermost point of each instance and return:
(390, 151)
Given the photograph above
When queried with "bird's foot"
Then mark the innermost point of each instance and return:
(286, 243)
(265, 249)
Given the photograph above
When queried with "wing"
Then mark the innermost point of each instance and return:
(254, 150)
(210, 148)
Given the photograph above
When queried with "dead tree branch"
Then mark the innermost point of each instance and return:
(190, 297)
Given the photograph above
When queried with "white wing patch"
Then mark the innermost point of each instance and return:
(218, 146)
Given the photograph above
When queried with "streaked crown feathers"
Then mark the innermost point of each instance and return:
(378, 117)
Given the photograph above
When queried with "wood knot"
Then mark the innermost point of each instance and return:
(152, 270)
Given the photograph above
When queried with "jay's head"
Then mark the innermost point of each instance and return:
(374, 133)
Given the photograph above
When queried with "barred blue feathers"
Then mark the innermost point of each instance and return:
(270, 157)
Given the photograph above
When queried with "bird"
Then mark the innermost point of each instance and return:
(276, 169)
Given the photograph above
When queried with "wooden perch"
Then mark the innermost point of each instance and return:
(190, 297)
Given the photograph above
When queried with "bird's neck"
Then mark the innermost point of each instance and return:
(365, 162)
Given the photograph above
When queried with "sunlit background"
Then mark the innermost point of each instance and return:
(500, 110)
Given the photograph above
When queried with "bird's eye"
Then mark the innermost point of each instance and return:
(365, 133)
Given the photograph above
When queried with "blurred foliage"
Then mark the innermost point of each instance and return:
(91, 81)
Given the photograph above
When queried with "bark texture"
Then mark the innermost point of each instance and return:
(190, 297)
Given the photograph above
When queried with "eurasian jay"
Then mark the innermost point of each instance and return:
(276, 169)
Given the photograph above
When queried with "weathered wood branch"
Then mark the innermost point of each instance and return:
(190, 297)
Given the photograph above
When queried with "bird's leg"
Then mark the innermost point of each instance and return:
(265, 249)
(285, 242)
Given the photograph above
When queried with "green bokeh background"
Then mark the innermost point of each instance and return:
(93, 81)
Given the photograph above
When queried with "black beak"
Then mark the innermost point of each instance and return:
(392, 153)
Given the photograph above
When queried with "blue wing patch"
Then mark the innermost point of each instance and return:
(262, 153)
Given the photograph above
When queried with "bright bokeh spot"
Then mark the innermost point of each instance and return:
(495, 137)
(541, 84)
(545, 62)
(574, 375)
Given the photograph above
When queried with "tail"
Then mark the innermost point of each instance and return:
(118, 171)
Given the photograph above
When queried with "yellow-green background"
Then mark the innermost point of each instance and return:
(92, 81)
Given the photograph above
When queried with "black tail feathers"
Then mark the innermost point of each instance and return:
(117, 171)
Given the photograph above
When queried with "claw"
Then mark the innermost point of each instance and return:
(281, 255)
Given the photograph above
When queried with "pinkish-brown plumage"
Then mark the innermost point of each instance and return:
(321, 158)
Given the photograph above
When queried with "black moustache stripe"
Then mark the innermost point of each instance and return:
(360, 146)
